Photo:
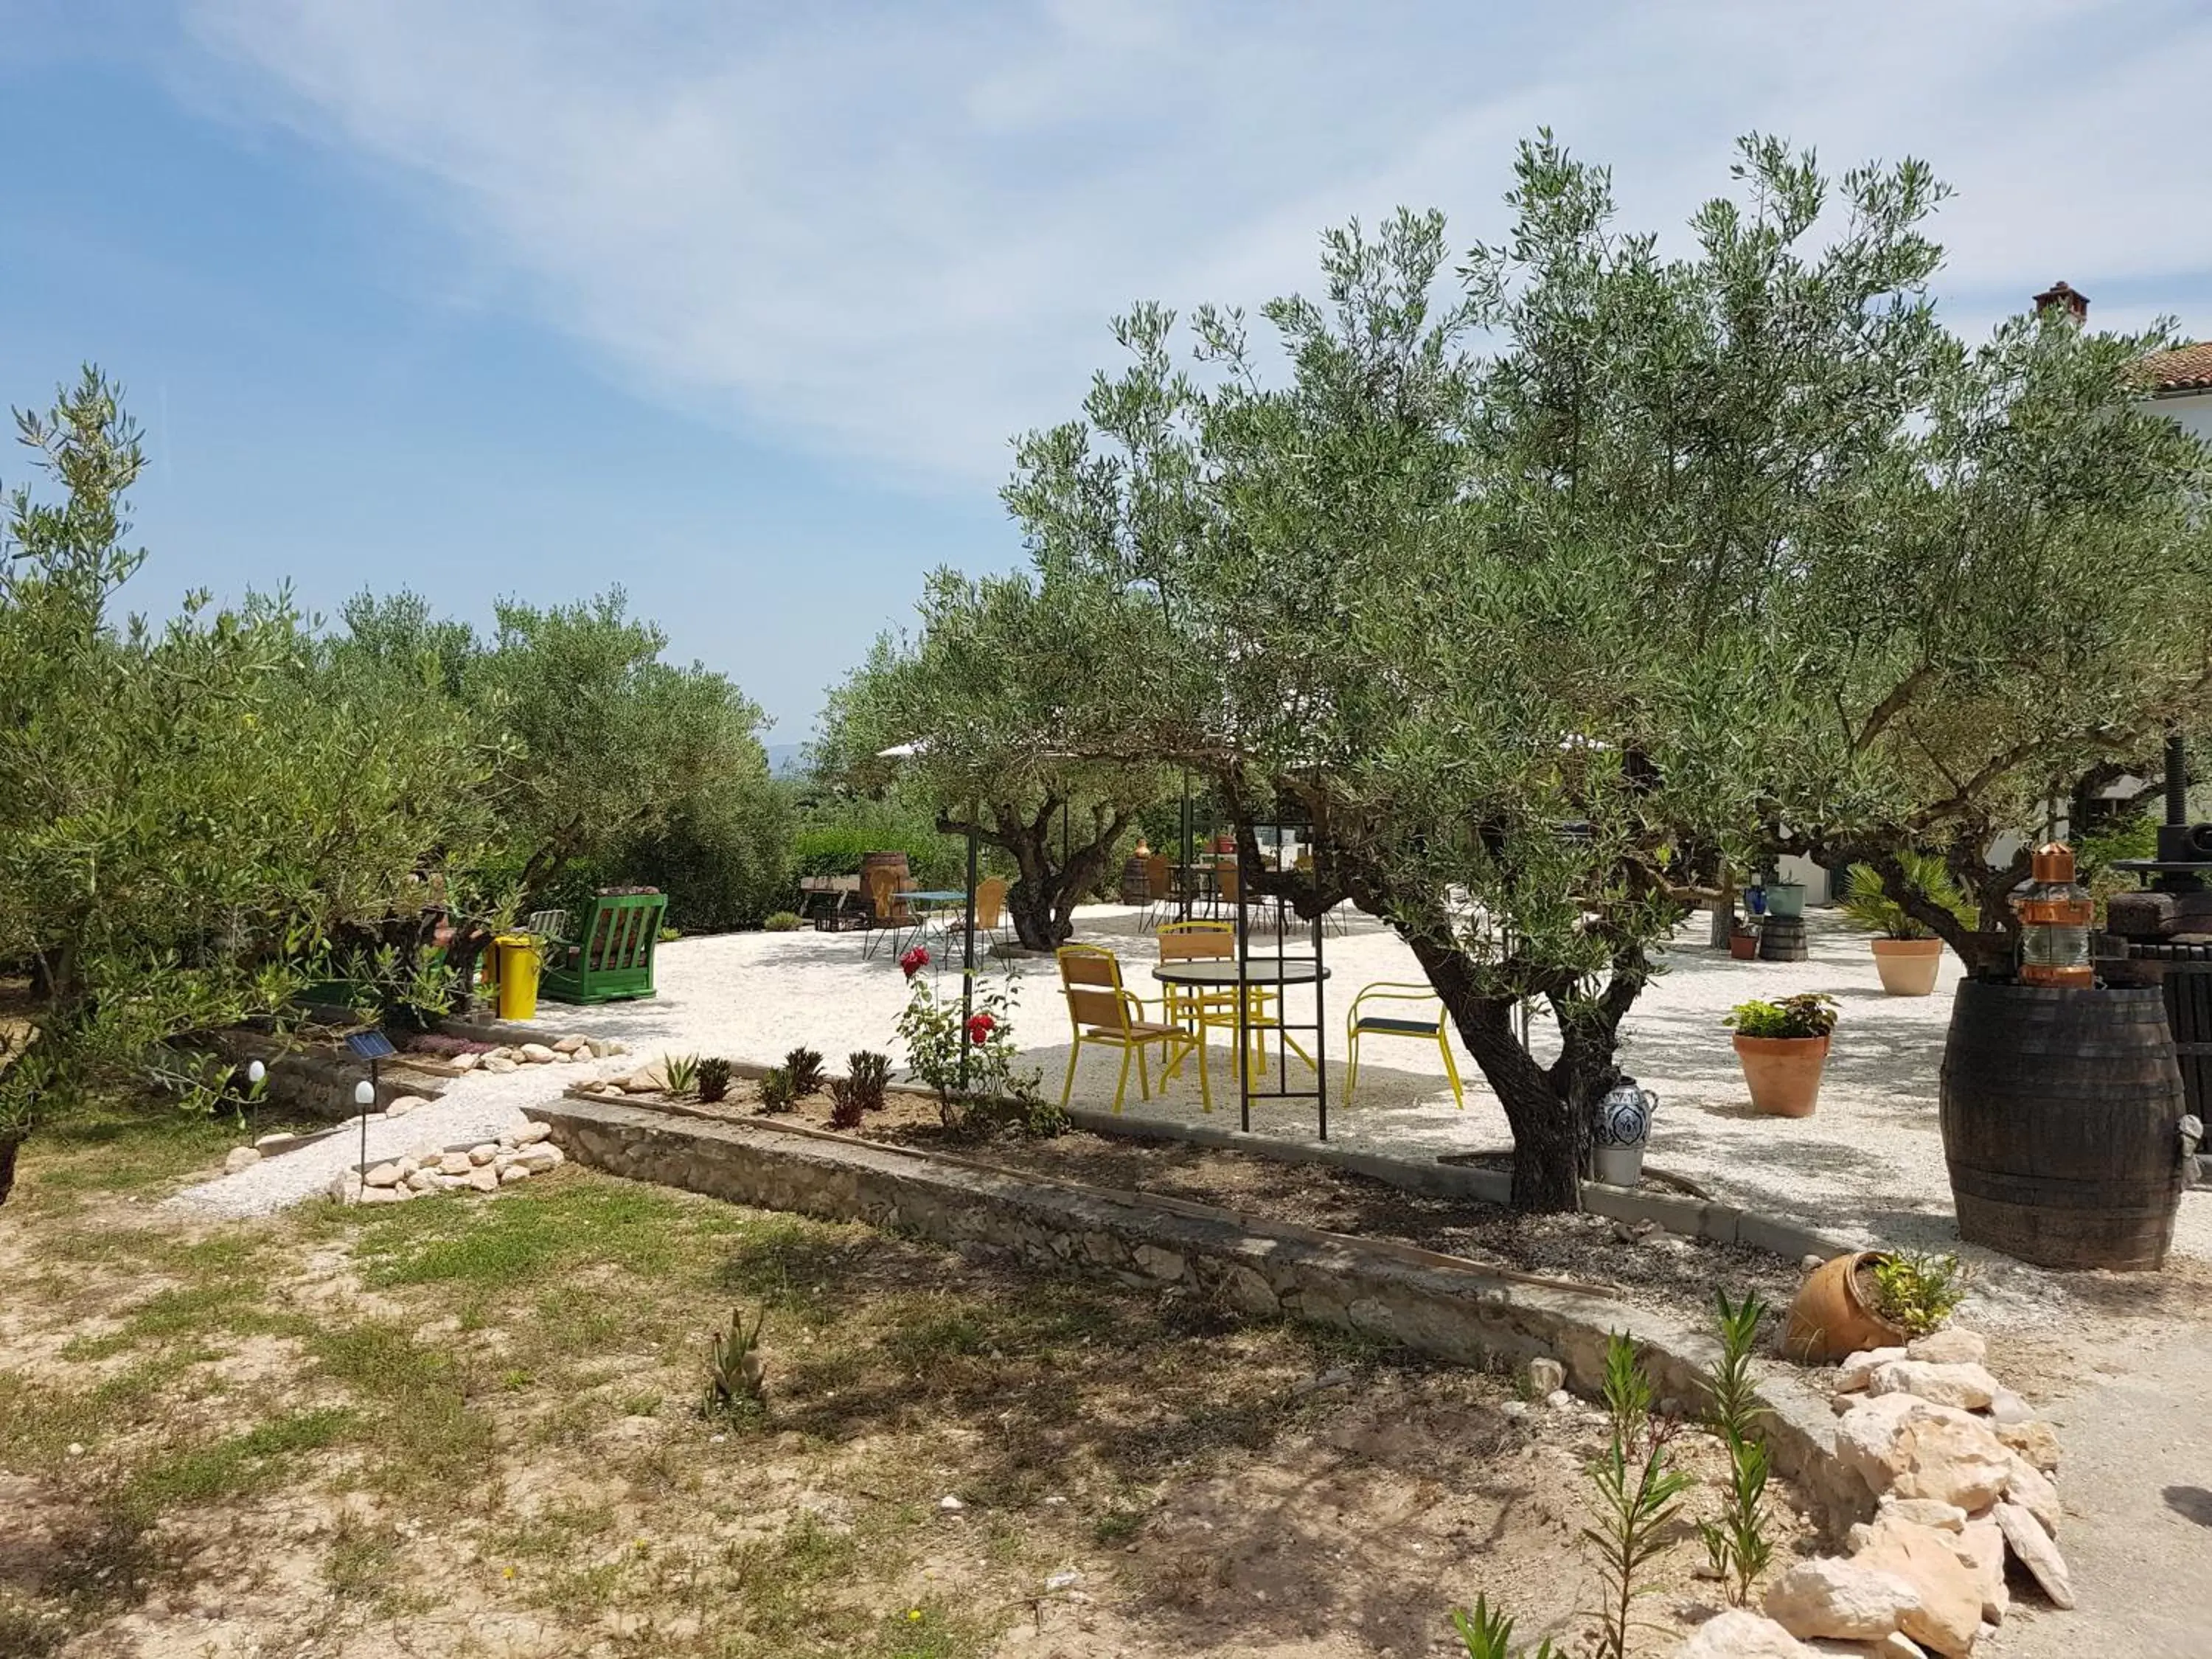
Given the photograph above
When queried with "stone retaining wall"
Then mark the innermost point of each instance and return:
(1436, 1305)
(318, 1083)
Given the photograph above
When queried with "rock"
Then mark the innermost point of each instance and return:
(539, 1158)
(639, 1083)
(513, 1173)
(1959, 1463)
(2008, 1407)
(422, 1181)
(405, 1104)
(1895, 1645)
(499, 1063)
(1807, 1264)
(1950, 1346)
(1847, 1600)
(537, 1054)
(241, 1157)
(345, 1187)
(2031, 1547)
(531, 1133)
(483, 1151)
(382, 1194)
(1858, 1369)
(1546, 1376)
(2030, 1488)
(1948, 1615)
(951, 1505)
(1980, 1545)
(1924, 1512)
(1558, 1400)
(2036, 1442)
(484, 1180)
(1738, 1634)
(567, 1045)
(1866, 1433)
(453, 1164)
(1967, 1387)
(614, 1048)
(1515, 1409)
(467, 1062)
(384, 1174)
(280, 1141)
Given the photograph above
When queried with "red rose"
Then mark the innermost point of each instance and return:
(914, 962)
(980, 1028)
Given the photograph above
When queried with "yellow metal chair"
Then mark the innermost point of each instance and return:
(1359, 1022)
(1202, 1009)
(1103, 1012)
(990, 912)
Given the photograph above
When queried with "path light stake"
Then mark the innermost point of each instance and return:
(373, 1047)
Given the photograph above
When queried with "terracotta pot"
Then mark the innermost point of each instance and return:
(1908, 965)
(1784, 1072)
(1829, 1319)
(1744, 947)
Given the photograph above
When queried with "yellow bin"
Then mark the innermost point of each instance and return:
(518, 975)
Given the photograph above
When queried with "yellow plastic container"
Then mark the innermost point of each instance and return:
(518, 975)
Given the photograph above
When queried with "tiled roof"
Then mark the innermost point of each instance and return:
(2185, 369)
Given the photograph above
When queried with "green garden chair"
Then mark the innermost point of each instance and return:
(609, 958)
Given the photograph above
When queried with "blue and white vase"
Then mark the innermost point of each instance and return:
(1619, 1135)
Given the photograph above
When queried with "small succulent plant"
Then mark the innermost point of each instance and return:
(736, 1383)
(714, 1081)
(681, 1073)
(805, 1066)
(776, 1094)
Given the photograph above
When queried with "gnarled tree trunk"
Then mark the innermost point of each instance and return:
(1048, 885)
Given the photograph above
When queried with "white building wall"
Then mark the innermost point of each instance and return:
(2193, 412)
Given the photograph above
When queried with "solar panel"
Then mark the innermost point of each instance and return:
(371, 1045)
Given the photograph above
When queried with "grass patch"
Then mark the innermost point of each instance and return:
(231, 1468)
(424, 1428)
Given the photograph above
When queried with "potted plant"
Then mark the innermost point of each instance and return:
(1906, 953)
(1871, 1299)
(1781, 1046)
(1743, 941)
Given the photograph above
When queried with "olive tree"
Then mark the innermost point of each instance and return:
(1515, 631)
(188, 812)
(1018, 708)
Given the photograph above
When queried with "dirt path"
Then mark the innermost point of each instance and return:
(2137, 1481)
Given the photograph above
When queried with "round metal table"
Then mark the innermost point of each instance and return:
(1226, 973)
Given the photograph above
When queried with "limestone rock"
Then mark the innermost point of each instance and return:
(513, 1173)
(539, 1158)
(1867, 1432)
(1558, 1400)
(1546, 1376)
(405, 1104)
(1895, 1645)
(1948, 1615)
(2038, 1442)
(499, 1063)
(483, 1151)
(531, 1133)
(1738, 1634)
(241, 1157)
(1959, 1463)
(2031, 1547)
(1846, 1600)
(1980, 1545)
(453, 1164)
(423, 1181)
(1950, 1346)
(382, 1194)
(467, 1062)
(1965, 1386)
(2030, 1488)
(345, 1187)
(537, 1054)
(641, 1083)
(2008, 1407)
(1858, 1369)
(384, 1174)
(1924, 1512)
(567, 1045)
(278, 1141)
(485, 1180)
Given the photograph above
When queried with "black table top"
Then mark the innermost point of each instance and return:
(1224, 970)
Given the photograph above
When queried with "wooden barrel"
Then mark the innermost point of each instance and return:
(2061, 1123)
(894, 862)
(1782, 939)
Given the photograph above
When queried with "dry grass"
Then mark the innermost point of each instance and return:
(463, 1426)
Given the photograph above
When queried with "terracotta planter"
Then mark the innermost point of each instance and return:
(1784, 1073)
(1829, 1319)
(1908, 965)
(1744, 947)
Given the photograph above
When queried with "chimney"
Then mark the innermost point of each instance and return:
(2058, 294)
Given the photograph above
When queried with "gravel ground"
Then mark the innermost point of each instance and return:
(1868, 1165)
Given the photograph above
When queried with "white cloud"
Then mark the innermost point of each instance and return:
(896, 233)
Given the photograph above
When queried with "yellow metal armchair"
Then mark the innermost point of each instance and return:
(1104, 1014)
(1378, 1020)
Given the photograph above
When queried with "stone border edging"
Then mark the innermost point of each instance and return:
(1453, 1309)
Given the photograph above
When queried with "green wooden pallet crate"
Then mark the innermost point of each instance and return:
(609, 957)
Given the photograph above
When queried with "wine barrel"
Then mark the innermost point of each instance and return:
(2061, 1123)
(895, 864)
(1782, 939)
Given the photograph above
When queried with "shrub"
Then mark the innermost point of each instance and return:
(784, 921)
(870, 1074)
(804, 1066)
(932, 1031)
(1639, 1492)
(714, 1081)
(1916, 1291)
(845, 1103)
(775, 1091)
(1736, 1545)
(1810, 1014)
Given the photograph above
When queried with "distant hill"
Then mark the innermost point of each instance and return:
(786, 760)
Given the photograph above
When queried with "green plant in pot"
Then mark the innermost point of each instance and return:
(1781, 1046)
(1906, 951)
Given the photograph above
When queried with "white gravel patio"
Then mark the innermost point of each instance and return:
(1868, 1166)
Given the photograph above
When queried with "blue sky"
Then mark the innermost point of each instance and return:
(739, 305)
